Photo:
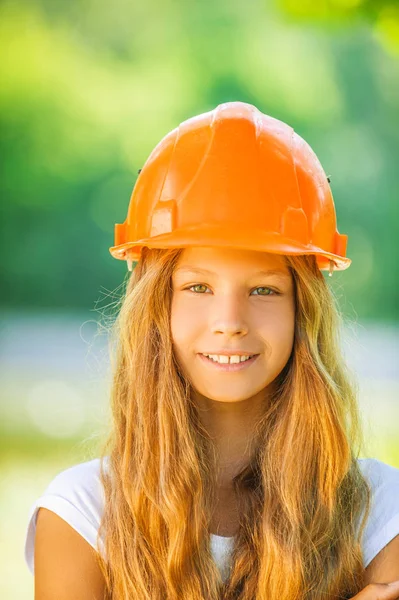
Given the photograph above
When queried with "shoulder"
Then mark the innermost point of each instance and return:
(378, 472)
(76, 495)
(80, 484)
(383, 522)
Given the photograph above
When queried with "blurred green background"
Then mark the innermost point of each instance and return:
(87, 91)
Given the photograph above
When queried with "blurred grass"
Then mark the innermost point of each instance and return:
(28, 445)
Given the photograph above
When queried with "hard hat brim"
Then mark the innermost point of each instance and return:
(216, 236)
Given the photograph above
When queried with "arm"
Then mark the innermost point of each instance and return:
(379, 591)
(65, 564)
(385, 566)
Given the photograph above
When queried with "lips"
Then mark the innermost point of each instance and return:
(228, 356)
(228, 367)
(237, 353)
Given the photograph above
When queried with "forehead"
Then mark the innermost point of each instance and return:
(227, 261)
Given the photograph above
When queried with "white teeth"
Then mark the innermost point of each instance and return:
(227, 359)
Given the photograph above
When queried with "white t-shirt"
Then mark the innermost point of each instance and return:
(76, 495)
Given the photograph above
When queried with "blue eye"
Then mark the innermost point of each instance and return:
(274, 292)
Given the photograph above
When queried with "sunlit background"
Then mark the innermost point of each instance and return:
(88, 89)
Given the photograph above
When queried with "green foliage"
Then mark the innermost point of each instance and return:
(89, 89)
(381, 15)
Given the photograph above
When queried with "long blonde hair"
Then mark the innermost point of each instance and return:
(303, 501)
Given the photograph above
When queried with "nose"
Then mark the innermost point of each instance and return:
(230, 317)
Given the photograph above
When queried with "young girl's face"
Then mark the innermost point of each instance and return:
(232, 307)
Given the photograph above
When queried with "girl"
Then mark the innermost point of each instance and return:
(232, 469)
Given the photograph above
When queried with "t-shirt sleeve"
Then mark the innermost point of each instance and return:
(75, 495)
(383, 523)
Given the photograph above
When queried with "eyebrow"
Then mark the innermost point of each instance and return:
(190, 269)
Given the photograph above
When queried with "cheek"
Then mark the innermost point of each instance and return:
(278, 331)
(182, 323)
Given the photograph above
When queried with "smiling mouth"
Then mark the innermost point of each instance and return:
(242, 357)
(229, 367)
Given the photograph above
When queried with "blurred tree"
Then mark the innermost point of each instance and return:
(89, 89)
(383, 15)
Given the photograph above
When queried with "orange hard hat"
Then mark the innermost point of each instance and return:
(233, 177)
